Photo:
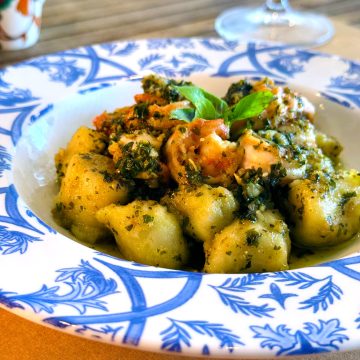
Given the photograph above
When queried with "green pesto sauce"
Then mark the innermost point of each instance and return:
(299, 258)
(106, 246)
(304, 257)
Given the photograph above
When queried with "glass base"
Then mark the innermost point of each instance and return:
(288, 27)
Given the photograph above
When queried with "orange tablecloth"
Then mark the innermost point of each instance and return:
(21, 339)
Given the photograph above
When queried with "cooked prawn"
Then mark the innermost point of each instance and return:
(160, 116)
(202, 147)
(257, 152)
(288, 105)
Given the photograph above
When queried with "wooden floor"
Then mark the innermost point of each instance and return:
(72, 23)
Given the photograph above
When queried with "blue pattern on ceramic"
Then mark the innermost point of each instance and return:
(336, 100)
(5, 159)
(326, 295)
(290, 64)
(156, 44)
(114, 49)
(343, 266)
(277, 295)
(212, 44)
(59, 70)
(86, 287)
(349, 98)
(16, 97)
(228, 291)
(178, 335)
(313, 339)
(30, 214)
(350, 80)
(14, 241)
(14, 216)
(100, 296)
(41, 113)
(93, 62)
(184, 64)
(20, 115)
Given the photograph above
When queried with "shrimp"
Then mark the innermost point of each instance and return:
(257, 152)
(288, 111)
(201, 149)
(160, 116)
(288, 105)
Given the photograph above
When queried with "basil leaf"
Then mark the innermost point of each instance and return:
(204, 108)
(186, 114)
(208, 106)
(250, 106)
(220, 105)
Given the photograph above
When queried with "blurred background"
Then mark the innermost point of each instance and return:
(72, 23)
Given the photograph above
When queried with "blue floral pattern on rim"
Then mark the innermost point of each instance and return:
(98, 296)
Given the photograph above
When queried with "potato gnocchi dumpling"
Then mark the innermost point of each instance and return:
(246, 246)
(147, 233)
(84, 140)
(87, 187)
(185, 179)
(325, 211)
(203, 210)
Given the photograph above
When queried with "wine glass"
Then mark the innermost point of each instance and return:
(275, 21)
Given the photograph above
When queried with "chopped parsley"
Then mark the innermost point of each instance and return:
(252, 238)
(346, 197)
(255, 190)
(137, 158)
(147, 218)
(141, 110)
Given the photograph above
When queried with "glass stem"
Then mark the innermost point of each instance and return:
(277, 5)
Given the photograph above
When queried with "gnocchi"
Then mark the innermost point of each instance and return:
(87, 186)
(147, 233)
(184, 179)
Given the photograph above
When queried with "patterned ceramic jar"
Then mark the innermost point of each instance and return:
(19, 23)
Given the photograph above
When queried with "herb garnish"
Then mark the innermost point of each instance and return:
(208, 106)
(147, 218)
(137, 158)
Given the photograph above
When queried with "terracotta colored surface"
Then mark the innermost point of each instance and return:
(21, 340)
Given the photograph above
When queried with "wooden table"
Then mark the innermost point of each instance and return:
(68, 24)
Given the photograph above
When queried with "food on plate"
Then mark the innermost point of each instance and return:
(254, 246)
(203, 210)
(324, 211)
(84, 140)
(146, 232)
(184, 179)
(87, 187)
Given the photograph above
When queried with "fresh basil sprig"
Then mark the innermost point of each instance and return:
(250, 105)
(186, 114)
(208, 106)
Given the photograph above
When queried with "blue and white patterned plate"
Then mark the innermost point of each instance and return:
(50, 279)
